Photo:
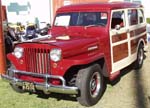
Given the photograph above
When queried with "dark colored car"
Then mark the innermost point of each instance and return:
(31, 32)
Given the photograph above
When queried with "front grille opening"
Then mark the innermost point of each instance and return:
(37, 60)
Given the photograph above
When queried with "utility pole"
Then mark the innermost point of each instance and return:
(51, 11)
(2, 45)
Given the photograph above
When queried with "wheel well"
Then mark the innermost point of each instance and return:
(103, 66)
(141, 42)
(70, 75)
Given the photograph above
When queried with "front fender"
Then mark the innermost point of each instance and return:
(18, 63)
(82, 59)
(85, 58)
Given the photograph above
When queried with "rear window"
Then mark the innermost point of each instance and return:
(141, 16)
(81, 19)
(133, 16)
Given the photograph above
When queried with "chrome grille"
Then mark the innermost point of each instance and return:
(37, 60)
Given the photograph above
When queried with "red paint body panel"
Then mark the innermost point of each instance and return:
(114, 75)
(98, 6)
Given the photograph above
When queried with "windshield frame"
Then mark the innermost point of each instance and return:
(76, 17)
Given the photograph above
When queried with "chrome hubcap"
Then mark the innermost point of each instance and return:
(95, 84)
(140, 56)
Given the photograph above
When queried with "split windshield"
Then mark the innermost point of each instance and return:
(81, 19)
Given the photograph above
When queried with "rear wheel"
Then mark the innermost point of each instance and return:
(140, 57)
(90, 82)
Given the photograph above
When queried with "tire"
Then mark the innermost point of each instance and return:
(90, 82)
(16, 88)
(140, 57)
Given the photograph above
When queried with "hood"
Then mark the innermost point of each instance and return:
(73, 45)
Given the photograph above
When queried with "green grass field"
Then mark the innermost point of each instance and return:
(11, 99)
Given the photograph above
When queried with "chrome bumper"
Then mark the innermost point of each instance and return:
(46, 87)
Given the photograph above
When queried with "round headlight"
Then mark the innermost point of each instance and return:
(55, 54)
(18, 52)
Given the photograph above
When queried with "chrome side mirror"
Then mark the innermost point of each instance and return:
(117, 27)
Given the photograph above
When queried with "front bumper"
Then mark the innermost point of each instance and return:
(46, 87)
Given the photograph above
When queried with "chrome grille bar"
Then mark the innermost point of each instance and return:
(37, 60)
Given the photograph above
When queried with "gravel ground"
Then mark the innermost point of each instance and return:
(131, 90)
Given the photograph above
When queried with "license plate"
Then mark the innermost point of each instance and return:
(28, 86)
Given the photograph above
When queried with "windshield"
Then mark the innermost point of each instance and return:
(81, 19)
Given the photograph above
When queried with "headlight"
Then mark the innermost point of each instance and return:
(18, 52)
(55, 54)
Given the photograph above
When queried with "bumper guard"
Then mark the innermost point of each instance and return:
(46, 87)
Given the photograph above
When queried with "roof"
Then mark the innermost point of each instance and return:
(99, 6)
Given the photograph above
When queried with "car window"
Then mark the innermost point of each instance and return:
(133, 16)
(62, 20)
(81, 19)
(141, 16)
(118, 18)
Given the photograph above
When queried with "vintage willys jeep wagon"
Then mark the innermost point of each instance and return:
(90, 42)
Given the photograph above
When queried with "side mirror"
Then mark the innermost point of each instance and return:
(117, 27)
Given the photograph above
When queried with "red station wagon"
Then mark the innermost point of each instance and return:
(90, 42)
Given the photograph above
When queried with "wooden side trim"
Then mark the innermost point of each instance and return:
(117, 38)
(137, 31)
(134, 43)
(120, 52)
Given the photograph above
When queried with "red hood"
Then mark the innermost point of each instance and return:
(73, 45)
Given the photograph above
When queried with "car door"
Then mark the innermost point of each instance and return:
(119, 40)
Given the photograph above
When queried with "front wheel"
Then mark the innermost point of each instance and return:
(90, 82)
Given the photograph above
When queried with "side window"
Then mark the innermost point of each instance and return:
(141, 16)
(133, 17)
(118, 18)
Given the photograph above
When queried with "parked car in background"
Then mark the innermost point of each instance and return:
(18, 27)
(89, 43)
(44, 31)
(31, 31)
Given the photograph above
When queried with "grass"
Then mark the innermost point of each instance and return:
(11, 99)
(148, 20)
